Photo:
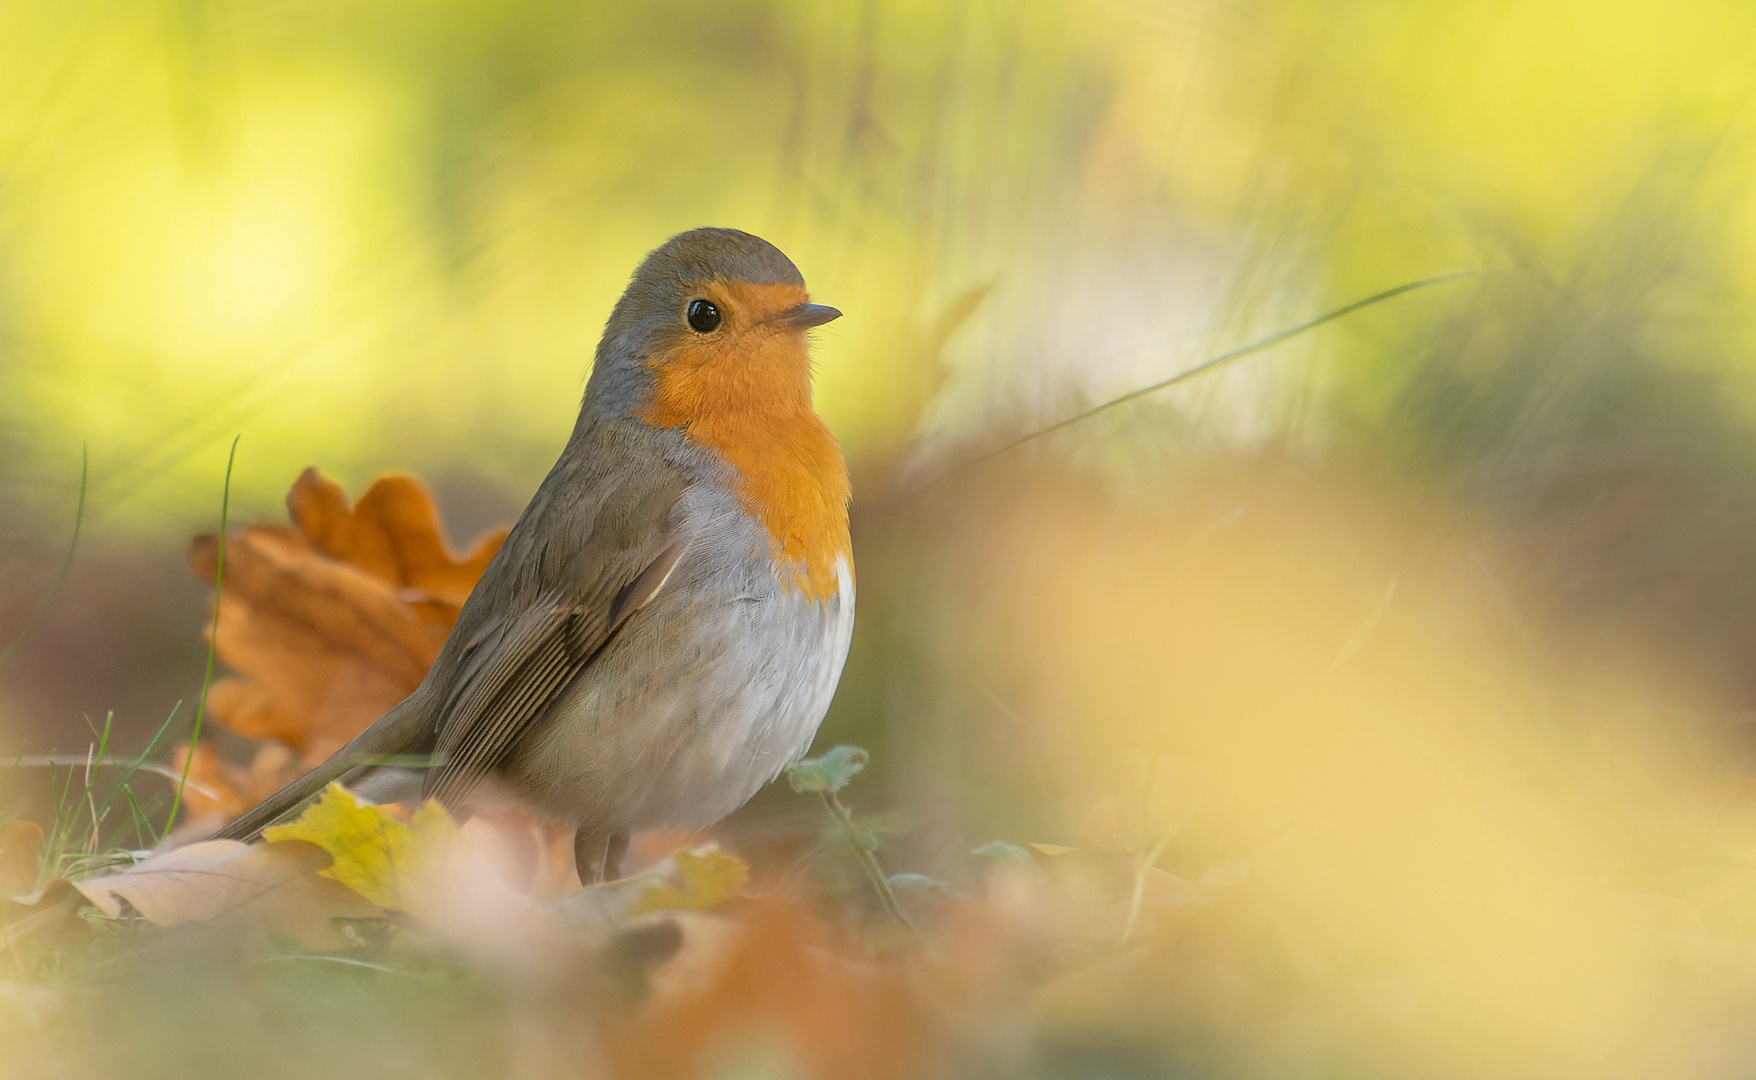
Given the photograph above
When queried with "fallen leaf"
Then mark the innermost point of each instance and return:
(650, 848)
(690, 879)
(25, 910)
(274, 888)
(21, 857)
(221, 790)
(776, 977)
(534, 854)
(393, 532)
(374, 854)
(709, 876)
(325, 647)
(330, 623)
(49, 915)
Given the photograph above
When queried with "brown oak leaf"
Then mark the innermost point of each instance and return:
(777, 971)
(21, 856)
(328, 622)
(393, 533)
(25, 912)
(220, 791)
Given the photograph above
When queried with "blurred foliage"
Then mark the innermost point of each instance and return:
(1439, 619)
(379, 234)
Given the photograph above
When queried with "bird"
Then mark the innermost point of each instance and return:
(664, 628)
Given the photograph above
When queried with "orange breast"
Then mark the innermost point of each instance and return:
(748, 399)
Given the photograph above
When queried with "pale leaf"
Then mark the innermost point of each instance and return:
(274, 888)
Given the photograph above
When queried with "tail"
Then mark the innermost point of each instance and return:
(398, 731)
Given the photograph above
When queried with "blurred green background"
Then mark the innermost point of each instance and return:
(385, 235)
(382, 235)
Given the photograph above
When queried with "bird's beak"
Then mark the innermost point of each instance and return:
(805, 316)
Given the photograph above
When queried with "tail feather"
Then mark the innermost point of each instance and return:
(398, 731)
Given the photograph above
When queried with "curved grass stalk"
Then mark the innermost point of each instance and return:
(1206, 365)
(219, 577)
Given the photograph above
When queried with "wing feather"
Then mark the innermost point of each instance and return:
(514, 682)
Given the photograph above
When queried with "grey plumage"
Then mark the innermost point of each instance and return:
(629, 658)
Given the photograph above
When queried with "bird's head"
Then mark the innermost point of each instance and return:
(710, 340)
(714, 319)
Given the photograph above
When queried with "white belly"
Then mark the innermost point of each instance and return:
(705, 697)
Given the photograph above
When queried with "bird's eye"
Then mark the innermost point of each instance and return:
(703, 316)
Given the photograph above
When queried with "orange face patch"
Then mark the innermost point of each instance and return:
(744, 392)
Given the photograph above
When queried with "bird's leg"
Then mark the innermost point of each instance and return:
(588, 856)
(613, 852)
(597, 857)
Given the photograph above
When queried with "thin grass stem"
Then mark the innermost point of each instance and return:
(140, 762)
(1206, 365)
(141, 820)
(219, 577)
(73, 761)
(1144, 861)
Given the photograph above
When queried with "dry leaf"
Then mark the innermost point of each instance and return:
(221, 790)
(690, 879)
(781, 979)
(375, 855)
(326, 647)
(393, 533)
(330, 623)
(473, 903)
(50, 916)
(21, 857)
(533, 854)
(25, 910)
(709, 876)
(274, 888)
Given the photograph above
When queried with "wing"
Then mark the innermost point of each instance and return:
(508, 684)
(595, 545)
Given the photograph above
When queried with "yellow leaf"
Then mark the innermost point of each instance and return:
(1051, 850)
(709, 876)
(375, 855)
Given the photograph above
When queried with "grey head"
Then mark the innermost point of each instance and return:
(688, 287)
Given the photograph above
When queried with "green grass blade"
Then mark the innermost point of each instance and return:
(1205, 366)
(140, 760)
(94, 760)
(143, 829)
(219, 577)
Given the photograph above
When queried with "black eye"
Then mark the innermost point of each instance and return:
(703, 316)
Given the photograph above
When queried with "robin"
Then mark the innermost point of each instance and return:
(664, 628)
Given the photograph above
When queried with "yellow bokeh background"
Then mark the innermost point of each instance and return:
(386, 235)
(1439, 612)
